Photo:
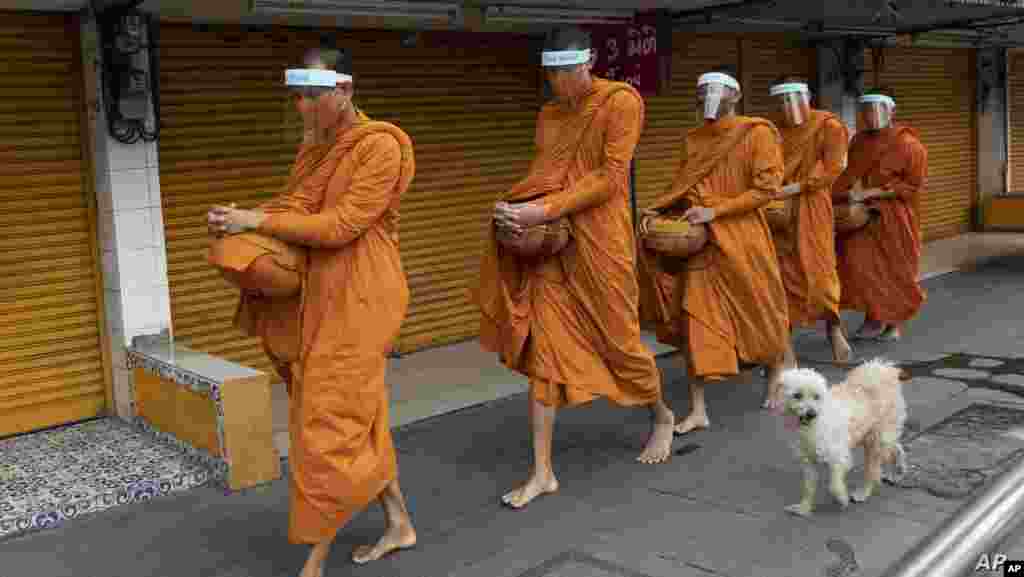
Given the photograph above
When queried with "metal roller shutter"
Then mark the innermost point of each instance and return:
(469, 102)
(672, 113)
(934, 89)
(51, 352)
(765, 58)
(1015, 86)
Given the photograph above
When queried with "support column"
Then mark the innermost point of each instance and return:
(130, 225)
(992, 128)
(831, 91)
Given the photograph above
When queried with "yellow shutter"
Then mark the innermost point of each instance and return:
(50, 339)
(672, 113)
(765, 58)
(229, 136)
(224, 139)
(1015, 106)
(934, 92)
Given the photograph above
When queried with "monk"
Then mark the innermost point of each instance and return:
(354, 298)
(879, 264)
(814, 146)
(727, 307)
(570, 322)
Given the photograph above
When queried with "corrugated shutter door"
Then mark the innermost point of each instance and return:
(224, 139)
(934, 91)
(469, 108)
(765, 58)
(1015, 81)
(50, 339)
(470, 104)
(672, 113)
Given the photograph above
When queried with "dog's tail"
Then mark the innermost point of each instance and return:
(877, 372)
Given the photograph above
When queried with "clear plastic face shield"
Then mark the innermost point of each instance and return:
(714, 89)
(559, 66)
(307, 86)
(794, 100)
(876, 111)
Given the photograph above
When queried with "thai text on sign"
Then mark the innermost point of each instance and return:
(628, 52)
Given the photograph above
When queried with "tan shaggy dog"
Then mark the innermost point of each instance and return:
(866, 410)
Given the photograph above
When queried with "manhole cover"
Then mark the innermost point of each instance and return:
(576, 564)
(958, 455)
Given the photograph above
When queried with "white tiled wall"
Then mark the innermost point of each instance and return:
(131, 233)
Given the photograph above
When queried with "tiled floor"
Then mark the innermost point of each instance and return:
(53, 476)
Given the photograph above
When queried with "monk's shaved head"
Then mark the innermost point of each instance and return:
(329, 56)
(567, 38)
(884, 90)
(726, 69)
(789, 78)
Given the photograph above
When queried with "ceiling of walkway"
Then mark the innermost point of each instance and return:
(998, 21)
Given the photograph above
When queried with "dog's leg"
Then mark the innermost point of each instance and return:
(873, 453)
(838, 484)
(899, 463)
(807, 491)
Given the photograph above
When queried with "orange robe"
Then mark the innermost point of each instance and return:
(570, 322)
(879, 264)
(814, 153)
(728, 306)
(354, 299)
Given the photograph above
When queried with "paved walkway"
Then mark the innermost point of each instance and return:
(717, 510)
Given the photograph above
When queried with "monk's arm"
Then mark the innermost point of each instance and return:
(904, 170)
(766, 171)
(364, 202)
(598, 186)
(835, 140)
(299, 199)
(841, 187)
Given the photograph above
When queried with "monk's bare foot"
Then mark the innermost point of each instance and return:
(539, 484)
(692, 423)
(397, 537)
(842, 352)
(659, 446)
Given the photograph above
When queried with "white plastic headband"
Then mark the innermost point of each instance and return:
(314, 77)
(719, 78)
(872, 98)
(787, 88)
(564, 57)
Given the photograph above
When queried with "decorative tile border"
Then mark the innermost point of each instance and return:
(193, 382)
(52, 477)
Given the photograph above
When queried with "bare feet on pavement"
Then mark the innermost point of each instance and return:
(692, 423)
(394, 539)
(659, 446)
(537, 485)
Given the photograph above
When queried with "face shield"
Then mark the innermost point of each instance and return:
(876, 111)
(307, 87)
(713, 89)
(794, 100)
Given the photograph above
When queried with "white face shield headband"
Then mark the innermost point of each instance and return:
(564, 59)
(876, 110)
(309, 84)
(711, 90)
(794, 98)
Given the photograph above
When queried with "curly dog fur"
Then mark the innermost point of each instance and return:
(866, 410)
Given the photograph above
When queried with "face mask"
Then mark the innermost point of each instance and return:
(713, 95)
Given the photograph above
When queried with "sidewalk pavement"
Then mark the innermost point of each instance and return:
(715, 511)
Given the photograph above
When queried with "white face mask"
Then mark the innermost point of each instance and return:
(793, 106)
(713, 95)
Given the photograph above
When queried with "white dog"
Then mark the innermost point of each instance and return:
(866, 410)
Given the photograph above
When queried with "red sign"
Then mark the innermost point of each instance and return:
(628, 52)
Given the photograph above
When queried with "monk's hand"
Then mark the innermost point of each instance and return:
(231, 220)
(699, 214)
(519, 216)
